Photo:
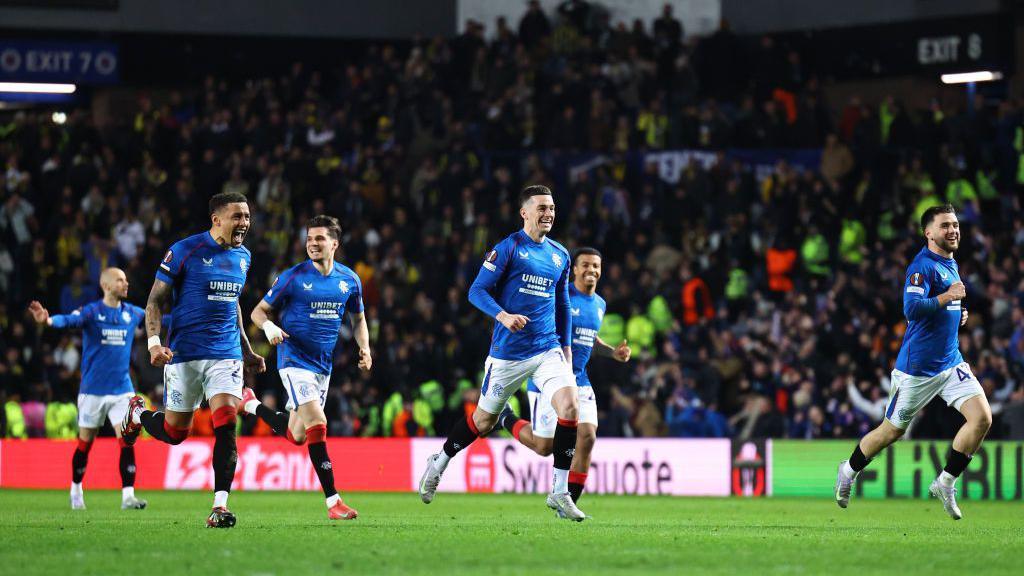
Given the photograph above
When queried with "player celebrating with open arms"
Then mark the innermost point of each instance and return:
(311, 299)
(588, 310)
(202, 277)
(524, 285)
(929, 363)
(108, 331)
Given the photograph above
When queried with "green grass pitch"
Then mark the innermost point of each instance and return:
(288, 533)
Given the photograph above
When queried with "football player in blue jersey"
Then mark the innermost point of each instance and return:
(929, 363)
(588, 310)
(310, 301)
(523, 284)
(202, 277)
(108, 331)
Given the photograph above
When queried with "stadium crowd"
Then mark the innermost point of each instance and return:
(757, 304)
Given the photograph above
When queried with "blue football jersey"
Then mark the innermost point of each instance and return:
(107, 336)
(587, 315)
(207, 280)
(521, 276)
(312, 307)
(931, 343)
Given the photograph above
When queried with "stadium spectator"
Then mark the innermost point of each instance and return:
(781, 279)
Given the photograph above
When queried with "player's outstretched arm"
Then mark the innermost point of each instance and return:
(361, 332)
(252, 360)
(39, 314)
(622, 352)
(159, 295)
(261, 317)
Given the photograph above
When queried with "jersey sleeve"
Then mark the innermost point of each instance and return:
(563, 308)
(355, 300)
(916, 303)
(491, 272)
(277, 296)
(76, 319)
(170, 267)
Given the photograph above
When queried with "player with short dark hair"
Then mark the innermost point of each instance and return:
(202, 277)
(310, 300)
(108, 331)
(523, 284)
(588, 309)
(929, 363)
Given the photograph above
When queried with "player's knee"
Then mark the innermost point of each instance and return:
(569, 411)
(983, 422)
(178, 436)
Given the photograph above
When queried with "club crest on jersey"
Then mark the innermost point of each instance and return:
(307, 286)
(126, 316)
(244, 265)
(556, 259)
(343, 286)
(600, 315)
(916, 279)
(168, 257)
(207, 261)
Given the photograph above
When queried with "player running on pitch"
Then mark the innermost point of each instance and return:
(929, 363)
(108, 331)
(202, 276)
(311, 299)
(588, 310)
(523, 284)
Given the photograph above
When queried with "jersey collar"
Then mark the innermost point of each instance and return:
(936, 257)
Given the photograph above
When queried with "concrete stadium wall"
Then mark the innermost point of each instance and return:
(304, 18)
(763, 16)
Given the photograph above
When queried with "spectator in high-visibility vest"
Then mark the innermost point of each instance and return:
(815, 253)
(780, 262)
(696, 299)
(15, 420)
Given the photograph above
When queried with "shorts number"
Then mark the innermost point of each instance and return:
(962, 375)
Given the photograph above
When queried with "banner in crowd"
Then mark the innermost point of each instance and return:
(640, 466)
(904, 470)
(620, 466)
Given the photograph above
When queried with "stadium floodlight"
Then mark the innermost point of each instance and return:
(965, 77)
(37, 88)
(59, 117)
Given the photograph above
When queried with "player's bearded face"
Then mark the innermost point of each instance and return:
(945, 232)
(233, 221)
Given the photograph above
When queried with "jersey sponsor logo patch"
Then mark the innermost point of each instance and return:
(916, 279)
(489, 260)
(915, 290)
(168, 257)
(343, 286)
(556, 259)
